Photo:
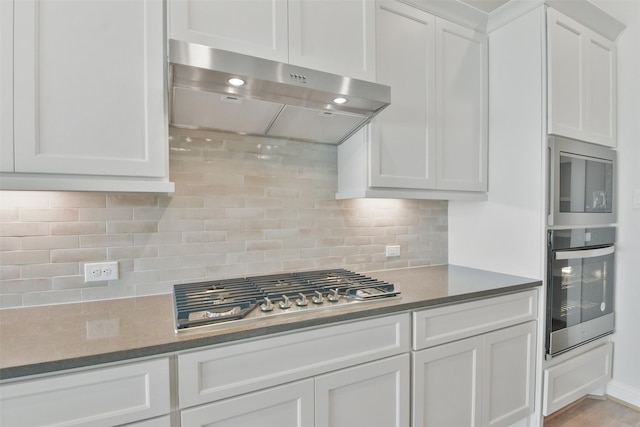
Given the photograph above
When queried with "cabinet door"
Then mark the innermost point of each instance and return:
(447, 384)
(6, 86)
(336, 36)
(290, 405)
(402, 135)
(372, 395)
(509, 374)
(253, 27)
(88, 88)
(462, 107)
(581, 81)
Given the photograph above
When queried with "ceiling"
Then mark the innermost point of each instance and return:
(485, 5)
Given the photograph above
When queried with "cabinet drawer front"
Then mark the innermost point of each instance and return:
(224, 371)
(576, 377)
(440, 325)
(100, 397)
(290, 405)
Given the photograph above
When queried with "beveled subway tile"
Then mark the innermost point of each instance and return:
(203, 236)
(49, 242)
(25, 257)
(51, 297)
(50, 215)
(10, 301)
(106, 240)
(10, 243)
(79, 255)
(180, 202)
(73, 282)
(10, 215)
(9, 272)
(181, 225)
(181, 249)
(146, 214)
(25, 285)
(24, 199)
(263, 245)
(181, 275)
(160, 238)
(105, 214)
(131, 252)
(21, 229)
(117, 227)
(72, 199)
(130, 200)
(49, 270)
(78, 228)
(107, 292)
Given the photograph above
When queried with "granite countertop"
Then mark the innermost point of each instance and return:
(36, 340)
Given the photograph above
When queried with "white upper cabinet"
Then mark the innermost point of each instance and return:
(403, 151)
(253, 27)
(431, 142)
(462, 110)
(88, 96)
(329, 35)
(581, 81)
(335, 36)
(6, 86)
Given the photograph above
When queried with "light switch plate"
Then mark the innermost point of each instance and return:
(636, 198)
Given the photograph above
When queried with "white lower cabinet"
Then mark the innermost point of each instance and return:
(375, 394)
(347, 375)
(574, 377)
(106, 396)
(474, 363)
(289, 405)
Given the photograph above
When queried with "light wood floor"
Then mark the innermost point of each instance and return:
(593, 412)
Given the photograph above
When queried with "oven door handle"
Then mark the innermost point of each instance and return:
(588, 253)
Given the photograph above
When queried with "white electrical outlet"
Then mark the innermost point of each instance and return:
(100, 271)
(393, 250)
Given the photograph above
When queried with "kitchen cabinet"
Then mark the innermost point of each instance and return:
(581, 81)
(289, 405)
(464, 375)
(6, 85)
(431, 142)
(88, 110)
(375, 394)
(356, 369)
(332, 36)
(567, 379)
(105, 396)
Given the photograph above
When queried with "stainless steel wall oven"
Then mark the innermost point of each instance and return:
(580, 287)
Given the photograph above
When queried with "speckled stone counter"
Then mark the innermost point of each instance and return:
(37, 340)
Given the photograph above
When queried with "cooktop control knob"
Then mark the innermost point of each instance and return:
(318, 298)
(333, 295)
(302, 301)
(267, 305)
(285, 303)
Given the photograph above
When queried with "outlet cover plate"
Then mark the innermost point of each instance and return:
(100, 271)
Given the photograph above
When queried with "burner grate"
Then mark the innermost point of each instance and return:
(209, 302)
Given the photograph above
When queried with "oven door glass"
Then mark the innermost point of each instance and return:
(582, 286)
(586, 184)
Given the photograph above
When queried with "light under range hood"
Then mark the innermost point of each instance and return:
(276, 100)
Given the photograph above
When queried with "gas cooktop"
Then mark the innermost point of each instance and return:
(213, 302)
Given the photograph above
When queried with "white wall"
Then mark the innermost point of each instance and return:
(626, 360)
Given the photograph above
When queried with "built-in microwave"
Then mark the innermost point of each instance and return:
(582, 184)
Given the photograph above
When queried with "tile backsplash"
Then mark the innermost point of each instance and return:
(242, 206)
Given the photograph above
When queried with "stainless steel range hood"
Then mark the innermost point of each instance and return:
(277, 100)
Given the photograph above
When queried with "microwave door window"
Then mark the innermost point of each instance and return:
(599, 186)
(586, 185)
